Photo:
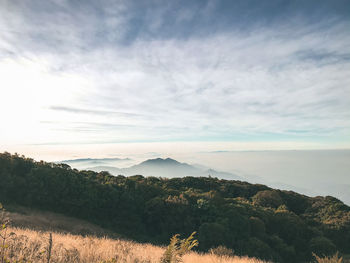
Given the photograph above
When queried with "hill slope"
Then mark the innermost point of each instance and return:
(77, 240)
(29, 245)
(253, 220)
(40, 220)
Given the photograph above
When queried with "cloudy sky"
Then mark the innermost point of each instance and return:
(224, 75)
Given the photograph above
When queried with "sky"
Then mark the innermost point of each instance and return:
(80, 77)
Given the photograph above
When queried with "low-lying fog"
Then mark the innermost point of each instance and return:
(311, 172)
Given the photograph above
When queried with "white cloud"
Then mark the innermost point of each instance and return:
(290, 80)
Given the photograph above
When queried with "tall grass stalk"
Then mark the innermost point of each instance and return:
(332, 259)
(4, 221)
(49, 248)
(178, 247)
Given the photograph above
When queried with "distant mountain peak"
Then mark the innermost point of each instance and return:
(171, 160)
(161, 161)
(165, 167)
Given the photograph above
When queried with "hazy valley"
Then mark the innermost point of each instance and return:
(321, 172)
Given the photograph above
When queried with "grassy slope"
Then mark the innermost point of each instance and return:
(32, 228)
(39, 220)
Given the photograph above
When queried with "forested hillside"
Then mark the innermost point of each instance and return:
(253, 220)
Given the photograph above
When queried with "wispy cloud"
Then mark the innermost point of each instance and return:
(94, 112)
(209, 71)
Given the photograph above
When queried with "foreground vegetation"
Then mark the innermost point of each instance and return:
(247, 219)
(32, 246)
(24, 245)
(20, 245)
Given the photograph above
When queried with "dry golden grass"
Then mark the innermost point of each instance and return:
(211, 258)
(32, 229)
(31, 246)
(24, 217)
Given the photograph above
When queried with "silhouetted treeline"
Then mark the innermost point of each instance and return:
(253, 220)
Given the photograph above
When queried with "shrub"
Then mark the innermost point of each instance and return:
(268, 198)
(322, 246)
(257, 226)
(222, 251)
(211, 235)
(178, 247)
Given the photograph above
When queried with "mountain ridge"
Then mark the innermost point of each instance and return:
(165, 167)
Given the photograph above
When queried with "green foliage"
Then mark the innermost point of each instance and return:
(250, 219)
(257, 248)
(211, 234)
(322, 246)
(257, 226)
(178, 247)
(267, 198)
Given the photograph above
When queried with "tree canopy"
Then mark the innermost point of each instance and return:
(250, 219)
